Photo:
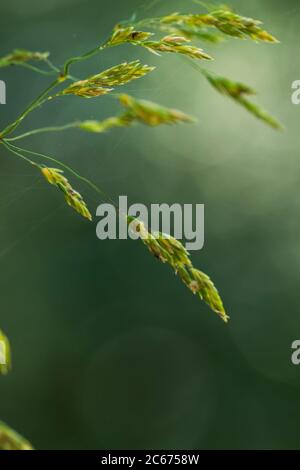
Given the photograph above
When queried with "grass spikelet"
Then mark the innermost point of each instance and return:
(102, 126)
(228, 87)
(238, 92)
(5, 356)
(73, 198)
(177, 45)
(150, 113)
(21, 56)
(197, 32)
(174, 24)
(98, 85)
(10, 440)
(173, 43)
(120, 74)
(140, 111)
(168, 249)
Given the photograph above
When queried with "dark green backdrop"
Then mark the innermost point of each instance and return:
(109, 349)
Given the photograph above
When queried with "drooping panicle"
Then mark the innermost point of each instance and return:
(5, 355)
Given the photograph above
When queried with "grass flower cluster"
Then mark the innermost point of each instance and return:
(20, 56)
(137, 111)
(218, 20)
(177, 45)
(224, 20)
(74, 199)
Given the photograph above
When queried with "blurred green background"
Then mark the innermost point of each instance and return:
(110, 350)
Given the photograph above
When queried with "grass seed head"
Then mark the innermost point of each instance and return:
(179, 256)
(223, 19)
(102, 126)
(202, 285)
(86, 89)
